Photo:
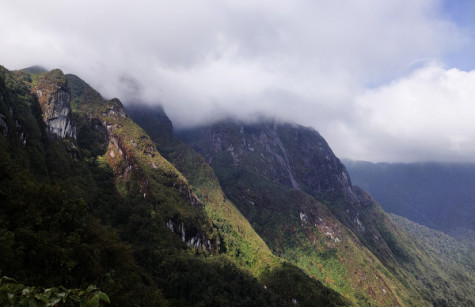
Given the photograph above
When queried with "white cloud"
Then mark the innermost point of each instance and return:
(427, 115)
(301, 60)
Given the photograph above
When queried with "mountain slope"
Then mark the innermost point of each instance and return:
(179, 153)
(453, 252)
(88, 199)
(48, 237)
(242, 243)
(266, 215)
(273, 171)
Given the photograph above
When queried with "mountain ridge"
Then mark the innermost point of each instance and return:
(251, 215)
(232, 150)
(176, 252)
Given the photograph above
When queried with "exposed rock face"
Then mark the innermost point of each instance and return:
(297, 157)
(192, 237)
(54, 98)
(292, 155)
(272, 170)
(138, 167)
(3, 125)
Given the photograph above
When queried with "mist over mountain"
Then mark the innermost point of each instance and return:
(187, 153)
(388, 81)
(265, 167)
(101, 203)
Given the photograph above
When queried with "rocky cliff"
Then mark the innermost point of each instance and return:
(191, 244)
(140, 170)
(297, 157)
(52, 92)
(299, 196)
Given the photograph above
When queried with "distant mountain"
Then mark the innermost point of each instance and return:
(440, 196)
(450, 250)
(35, 69)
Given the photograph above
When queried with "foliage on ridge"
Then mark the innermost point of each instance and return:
(241, 242)
(257, 163)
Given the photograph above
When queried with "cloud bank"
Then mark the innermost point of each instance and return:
(428, 113)
(369, 75)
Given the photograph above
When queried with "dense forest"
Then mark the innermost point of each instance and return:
(106, 211)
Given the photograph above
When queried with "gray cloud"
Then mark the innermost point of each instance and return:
(339, 66)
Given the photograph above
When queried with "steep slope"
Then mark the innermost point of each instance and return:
(241, 242)
(87, 197)
(202, 177)
(49, 184)
(163, 203)
(322, 264)
(73, 162)
(47, 236)
(139, 168)
(267, 168)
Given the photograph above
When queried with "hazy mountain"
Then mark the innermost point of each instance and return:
(438, 195)
(450, 250)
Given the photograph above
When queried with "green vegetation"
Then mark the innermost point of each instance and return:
(146, 219)
(240, 242)
(298, 197)
(108, 210)
(293, 224)
(458, 258)
(14, 294)
(304, 232)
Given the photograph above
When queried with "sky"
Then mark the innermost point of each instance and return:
(390, 80)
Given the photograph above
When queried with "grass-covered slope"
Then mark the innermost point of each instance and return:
(48, 237)
(241, 243)
(103, 207)
(265, 168)
(54, 190)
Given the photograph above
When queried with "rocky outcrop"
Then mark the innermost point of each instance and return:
(192, 236)
(3, 125)
(54, 98)
(297, 157)
(139, 168)
(287, 181)
(292, 155)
